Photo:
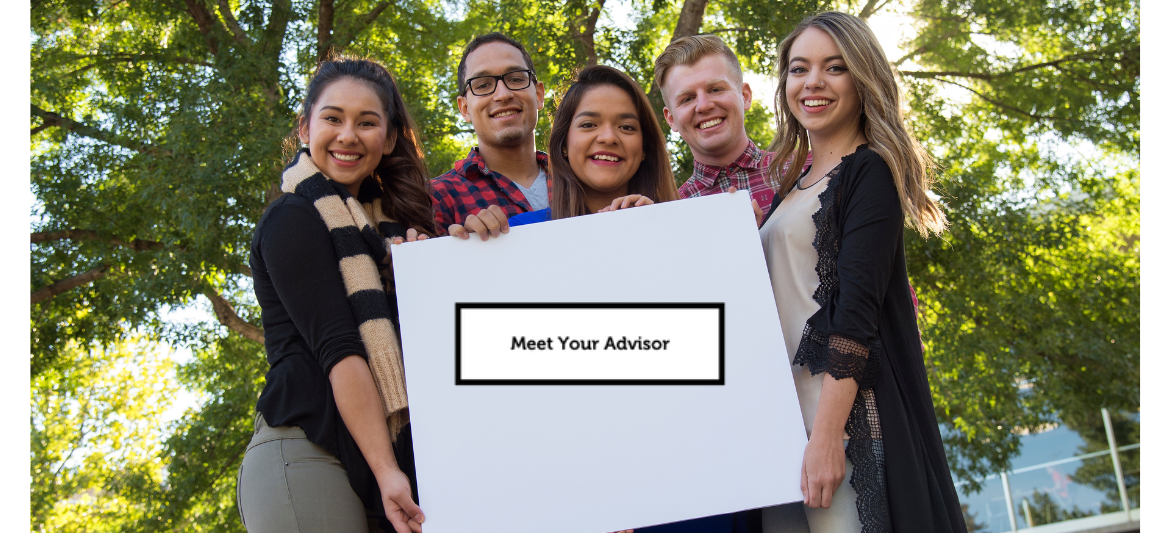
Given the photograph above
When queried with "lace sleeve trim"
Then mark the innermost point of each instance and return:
(840, 357)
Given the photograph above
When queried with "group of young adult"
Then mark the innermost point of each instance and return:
(332, 446)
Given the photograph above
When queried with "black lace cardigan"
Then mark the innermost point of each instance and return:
(866, 329)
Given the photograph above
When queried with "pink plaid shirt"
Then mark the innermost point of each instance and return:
(747, 172)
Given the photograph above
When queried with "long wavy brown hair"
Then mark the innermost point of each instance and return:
(401, 175)
(881, 119)
(653, 178)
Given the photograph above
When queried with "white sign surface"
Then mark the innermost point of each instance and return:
(598, 373)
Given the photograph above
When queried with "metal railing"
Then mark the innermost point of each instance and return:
(1113, 451)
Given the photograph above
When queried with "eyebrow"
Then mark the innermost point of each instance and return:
(367, 112)
(484, 72)
(595, 114)
(798, 58)
(710, 83)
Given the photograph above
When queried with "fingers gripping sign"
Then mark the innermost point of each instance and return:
(622, 202)
(412, 235)
(486, 223)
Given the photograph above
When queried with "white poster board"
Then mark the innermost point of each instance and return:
(675, 402)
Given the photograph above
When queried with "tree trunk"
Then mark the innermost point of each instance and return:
(690, 19)
(585, 37)
(324, 29)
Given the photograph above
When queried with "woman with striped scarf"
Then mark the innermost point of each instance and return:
(332, 445)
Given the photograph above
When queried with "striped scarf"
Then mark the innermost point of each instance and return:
(364, 257)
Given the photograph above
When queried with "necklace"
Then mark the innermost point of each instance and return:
(811, 185)
(827, 174)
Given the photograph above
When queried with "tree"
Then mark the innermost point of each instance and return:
(158, 133)
(1031, 300)
(95, 433)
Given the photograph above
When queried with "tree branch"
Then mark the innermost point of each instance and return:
(1001, 104)
(361, 24)
(926, 47)
(206, 23)
(64, 285)
(870, 8)
(230, 21)
(228, 317)
(993, 75)
(140, 245)
(729, 30)
(324, 29)
(128, 58)
(53, 119)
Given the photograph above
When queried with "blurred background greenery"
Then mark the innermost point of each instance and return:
(156, 132)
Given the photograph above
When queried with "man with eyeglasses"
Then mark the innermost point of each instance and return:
(505, 175)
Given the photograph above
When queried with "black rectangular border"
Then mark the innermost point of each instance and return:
(459, 307)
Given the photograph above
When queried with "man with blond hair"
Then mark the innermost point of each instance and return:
(706, 98)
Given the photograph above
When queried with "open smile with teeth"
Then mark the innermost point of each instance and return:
(504, 114)
(816, 103)
(346, 157)
(602, 157)
(710, 123)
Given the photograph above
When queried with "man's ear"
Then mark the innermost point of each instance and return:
(391, 138)
(461, 101)
(669, 118)
(747, 97)
(540, 95)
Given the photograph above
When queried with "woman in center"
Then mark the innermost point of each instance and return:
(605, 149)
(607, 152)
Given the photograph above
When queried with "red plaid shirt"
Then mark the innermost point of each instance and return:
(746, 173)
(470, 186)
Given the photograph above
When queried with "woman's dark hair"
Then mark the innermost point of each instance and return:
(653, 178)
(401, 174)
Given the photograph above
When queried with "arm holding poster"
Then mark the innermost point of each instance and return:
(323, 444)
(834, 241)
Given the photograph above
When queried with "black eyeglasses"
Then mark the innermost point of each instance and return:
(514, 81)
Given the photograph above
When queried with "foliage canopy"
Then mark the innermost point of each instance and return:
(157, 129)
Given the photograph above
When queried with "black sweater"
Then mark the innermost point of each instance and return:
(308, 328)
(871, 305)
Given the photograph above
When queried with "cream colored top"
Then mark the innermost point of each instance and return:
(792, 264)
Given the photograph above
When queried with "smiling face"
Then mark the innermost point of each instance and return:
(604, 144)
(819, 89)
(705, 104)
(504, 118)
(346, 131)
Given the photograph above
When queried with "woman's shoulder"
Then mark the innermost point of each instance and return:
(866, 168)
(865, 158)
(289, 207)
(289, 213)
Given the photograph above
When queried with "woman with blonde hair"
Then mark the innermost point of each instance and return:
(833, 243)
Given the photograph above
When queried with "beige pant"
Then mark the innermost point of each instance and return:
(288, 484)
